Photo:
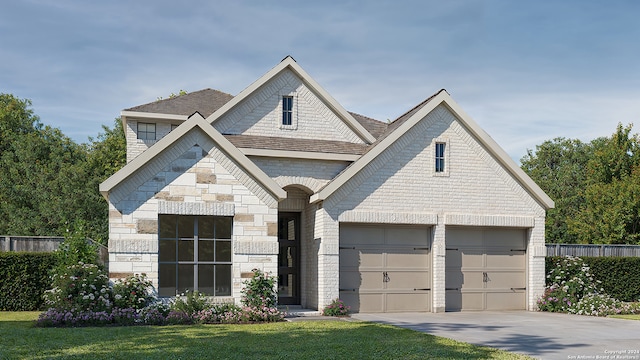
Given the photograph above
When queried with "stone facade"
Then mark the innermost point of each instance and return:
(196, 175)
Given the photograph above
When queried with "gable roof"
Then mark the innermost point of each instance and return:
(204, 101)
(195, 121)
(406, 121)
(290, 63)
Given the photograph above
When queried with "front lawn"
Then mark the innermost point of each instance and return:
(628, 317)
(293, 340)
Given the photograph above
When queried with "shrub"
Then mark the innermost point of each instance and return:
(190, 303)
(76, 248)
(218, 313)
(260, 290)
(620, 276)
(133, 292)
(82, 287)
(24, 277)
(177, 317)
(155, 314)
(572, 288)
(336, 308)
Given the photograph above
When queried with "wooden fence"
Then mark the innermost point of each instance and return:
(593, 250)
(44, 244)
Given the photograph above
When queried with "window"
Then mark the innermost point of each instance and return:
(287, 110)
(194, 253)
(440, 155)
(146, 131)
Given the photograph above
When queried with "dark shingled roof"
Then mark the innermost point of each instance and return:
(296, 144)
(207, 101)
(204, 101)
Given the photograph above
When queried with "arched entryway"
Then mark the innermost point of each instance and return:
(295, 240)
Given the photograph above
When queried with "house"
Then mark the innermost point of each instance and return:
(426, 213)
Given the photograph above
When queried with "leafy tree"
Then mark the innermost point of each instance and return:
(558, 166)
(47, 181)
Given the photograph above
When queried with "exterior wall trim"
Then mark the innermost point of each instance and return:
(299, 154)
(489, 220)
(187, 208)
(388, 218)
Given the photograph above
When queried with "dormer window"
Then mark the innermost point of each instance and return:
(287, 110)
(146, 131)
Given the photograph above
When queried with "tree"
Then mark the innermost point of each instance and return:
(47, 181)
(558, 166)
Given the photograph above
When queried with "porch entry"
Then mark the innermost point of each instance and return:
(289, 258)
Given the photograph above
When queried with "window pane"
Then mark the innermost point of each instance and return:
(185, 278)
(223, 227)
(205, 250)
(185, 250)
(223, 280)
(167, 250)
(167, 226)
(167, 280)
(205, 279)
(205, 227)
(223, 251)
(185, 226)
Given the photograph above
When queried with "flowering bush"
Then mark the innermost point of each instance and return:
(133, 292)
(336, 308)
(219, 313)
(155, 314)
(574, 290)
(74, 318)
(260, 290)
(177, 317)
(81, 287)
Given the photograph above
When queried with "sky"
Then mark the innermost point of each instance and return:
(525, 71)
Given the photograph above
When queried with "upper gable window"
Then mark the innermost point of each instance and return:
(146, 131)
(287, 110)
(440, 157)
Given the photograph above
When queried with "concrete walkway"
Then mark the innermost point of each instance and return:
(537, 334)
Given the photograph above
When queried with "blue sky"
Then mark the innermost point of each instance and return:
(526, 71)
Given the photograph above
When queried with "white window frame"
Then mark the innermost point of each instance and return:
(294, 110)
(446, 158)
(146, 125)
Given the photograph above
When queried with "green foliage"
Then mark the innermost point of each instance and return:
(81, 287)
(76, 248)
(573, 287)
(49, 180)
(24, 277)
(133, 292)
(260, 290)
(190, 303)
(619, 276)
(595, 186)
(336, 308)
(559, 166)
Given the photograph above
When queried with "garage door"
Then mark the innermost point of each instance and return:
(485, 269)
(385, 268)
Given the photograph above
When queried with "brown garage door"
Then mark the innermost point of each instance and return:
(385, 268)
(485, 269)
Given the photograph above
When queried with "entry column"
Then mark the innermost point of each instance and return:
(438, 266)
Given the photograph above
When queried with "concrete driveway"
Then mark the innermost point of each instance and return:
(537, 334)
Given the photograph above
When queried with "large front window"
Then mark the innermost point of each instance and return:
(194, 253)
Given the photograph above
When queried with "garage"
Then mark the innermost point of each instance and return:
(485, 269)
(385, 268)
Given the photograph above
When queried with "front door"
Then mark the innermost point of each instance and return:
(289, 258)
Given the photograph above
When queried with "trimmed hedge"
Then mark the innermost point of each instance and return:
(620, 276)
(24, 277)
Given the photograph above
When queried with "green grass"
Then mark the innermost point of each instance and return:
(285, 340)
(628, 317)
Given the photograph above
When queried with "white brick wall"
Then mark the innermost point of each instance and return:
(312, 174)
(261, 114)
(477, 191)
(135, 146)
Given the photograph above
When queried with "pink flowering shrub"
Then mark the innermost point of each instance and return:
(336, 308)
(133, 292)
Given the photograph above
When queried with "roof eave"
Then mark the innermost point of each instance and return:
(288, 62)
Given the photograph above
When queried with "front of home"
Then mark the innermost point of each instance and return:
(426, 213)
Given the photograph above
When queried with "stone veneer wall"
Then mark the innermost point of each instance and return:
(475, 191)
(193, 180)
